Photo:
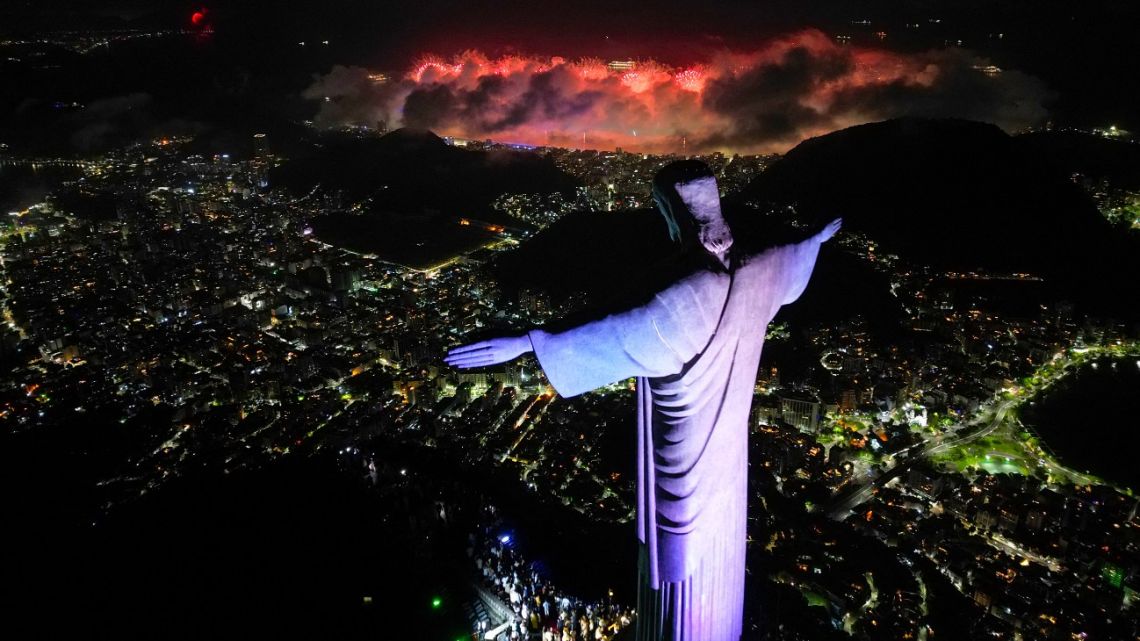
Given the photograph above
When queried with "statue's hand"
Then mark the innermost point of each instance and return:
(489, 352)
(829, 230)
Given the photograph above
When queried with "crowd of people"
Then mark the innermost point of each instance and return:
(540, 611)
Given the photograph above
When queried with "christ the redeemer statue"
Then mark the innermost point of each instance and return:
(695, 350)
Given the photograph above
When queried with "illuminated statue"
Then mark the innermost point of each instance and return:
(695, 350)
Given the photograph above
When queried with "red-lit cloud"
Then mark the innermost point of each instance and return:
(760, 101)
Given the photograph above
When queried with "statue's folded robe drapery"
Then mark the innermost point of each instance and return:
(695, 349)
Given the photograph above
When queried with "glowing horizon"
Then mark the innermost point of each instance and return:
(760, 101)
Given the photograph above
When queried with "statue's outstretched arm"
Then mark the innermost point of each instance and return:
(489, 352)
(828, 231)
(655, 339)
(798, 261)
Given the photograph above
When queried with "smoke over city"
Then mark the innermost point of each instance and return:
(762, 101)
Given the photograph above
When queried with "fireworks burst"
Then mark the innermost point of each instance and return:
(765, 100)
(691, 79)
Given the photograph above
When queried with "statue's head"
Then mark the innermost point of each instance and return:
(687, 196)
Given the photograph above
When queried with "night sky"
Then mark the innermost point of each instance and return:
(1078, 55)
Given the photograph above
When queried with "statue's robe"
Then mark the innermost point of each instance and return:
(695, 350)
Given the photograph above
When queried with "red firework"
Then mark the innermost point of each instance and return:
(691, 79)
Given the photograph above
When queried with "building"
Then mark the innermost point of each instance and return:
(803, 414)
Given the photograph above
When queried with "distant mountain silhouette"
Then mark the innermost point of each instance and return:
(411, 140)
(956, 194)
(1074, 152)
(414, 170)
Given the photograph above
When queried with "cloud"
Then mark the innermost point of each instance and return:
(765, 100)
(115, 121)
(105, 119)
